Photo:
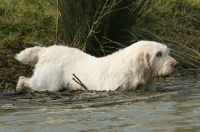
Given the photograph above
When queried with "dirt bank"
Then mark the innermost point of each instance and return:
(173, 88)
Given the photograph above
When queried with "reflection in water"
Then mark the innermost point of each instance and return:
(181, 115)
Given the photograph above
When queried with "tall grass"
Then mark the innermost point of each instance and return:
(100, 27)
(179, 28)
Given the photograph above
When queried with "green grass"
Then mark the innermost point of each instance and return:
(23, 24)
(27, 22)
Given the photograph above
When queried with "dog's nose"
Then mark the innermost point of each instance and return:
(174, 64)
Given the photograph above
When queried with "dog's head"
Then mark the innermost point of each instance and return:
(153, 60)
(161, 63)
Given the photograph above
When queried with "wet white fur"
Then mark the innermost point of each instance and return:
(134, 67)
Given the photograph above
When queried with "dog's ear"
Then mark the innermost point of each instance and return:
(142, 67)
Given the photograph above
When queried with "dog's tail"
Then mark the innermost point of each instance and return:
(29, 55)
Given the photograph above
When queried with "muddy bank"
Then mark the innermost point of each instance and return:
(173, 88)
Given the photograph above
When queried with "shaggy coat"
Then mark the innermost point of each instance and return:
(134, 67)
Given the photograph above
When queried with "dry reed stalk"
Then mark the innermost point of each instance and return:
(77, 80)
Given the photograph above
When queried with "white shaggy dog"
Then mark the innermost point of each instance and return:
(134, 67)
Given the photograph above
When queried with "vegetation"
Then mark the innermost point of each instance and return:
(97, 27)
(24, 23)
(179, 28)
(27, 21)
(104, 26)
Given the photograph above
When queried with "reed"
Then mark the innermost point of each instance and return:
(101, 27)
(179, 29)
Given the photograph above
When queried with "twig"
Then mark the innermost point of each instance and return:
(77, 80)
(57, 21)
(2, 82)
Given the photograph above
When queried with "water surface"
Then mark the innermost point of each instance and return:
(178, 115)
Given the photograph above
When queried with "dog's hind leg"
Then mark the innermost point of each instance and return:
(22, 83)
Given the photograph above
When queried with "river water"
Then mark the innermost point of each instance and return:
(180, 114)
(177, 116)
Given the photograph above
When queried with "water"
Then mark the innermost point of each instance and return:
(182, 115)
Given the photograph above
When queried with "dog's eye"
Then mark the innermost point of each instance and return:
(159, 54)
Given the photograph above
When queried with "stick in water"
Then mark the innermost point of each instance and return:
(77, 80)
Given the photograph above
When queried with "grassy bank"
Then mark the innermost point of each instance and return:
(23, 24)
(98, 28)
